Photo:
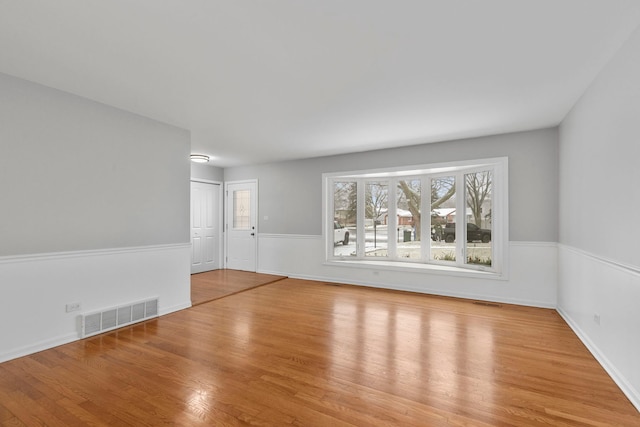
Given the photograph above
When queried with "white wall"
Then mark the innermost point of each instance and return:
(599, 267)
(94, 208)
(76, 174)
(290, 195)
(36, 288)
(206, 172)
(531, 281)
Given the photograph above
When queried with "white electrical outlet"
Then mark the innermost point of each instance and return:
(596, 318)
(73, 306)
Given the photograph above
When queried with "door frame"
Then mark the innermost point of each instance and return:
(220, 202)
(226, 219)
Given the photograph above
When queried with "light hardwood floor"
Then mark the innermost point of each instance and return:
(306, 353)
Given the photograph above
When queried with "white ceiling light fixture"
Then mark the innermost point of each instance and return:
(199, 158)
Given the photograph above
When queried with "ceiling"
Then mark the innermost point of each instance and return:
(262, 81)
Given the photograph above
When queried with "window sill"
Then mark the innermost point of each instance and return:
(416, 268)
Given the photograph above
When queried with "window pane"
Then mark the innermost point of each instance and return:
(443, 218)
(408, 212)
(479, 187)
(381, 215)
(345, 199)
(241, 209)
(375, 222)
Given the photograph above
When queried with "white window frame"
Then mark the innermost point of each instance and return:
(500, 217)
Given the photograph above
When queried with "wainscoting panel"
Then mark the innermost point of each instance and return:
(43, 295)
(600, 300)
(532, 278)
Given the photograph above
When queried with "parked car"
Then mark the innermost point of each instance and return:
(474, 233)
(340, 234)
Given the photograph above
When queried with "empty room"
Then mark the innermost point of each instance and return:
(331, 213)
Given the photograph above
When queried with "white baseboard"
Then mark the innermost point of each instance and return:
(380, 285)
(68, 338)
(174, 308)
(38, 346)
(631, 392)
(532, 278)
(597, 297)
(40, 287)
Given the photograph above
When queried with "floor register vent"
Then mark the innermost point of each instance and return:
(116, 317)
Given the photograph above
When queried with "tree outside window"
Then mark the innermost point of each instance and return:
(392, 221)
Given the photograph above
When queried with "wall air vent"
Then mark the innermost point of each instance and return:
(108, 319)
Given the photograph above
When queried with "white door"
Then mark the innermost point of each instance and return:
(241, 208)
(205, 227)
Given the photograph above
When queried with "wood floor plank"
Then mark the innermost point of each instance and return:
(211, 285)
(304, 353)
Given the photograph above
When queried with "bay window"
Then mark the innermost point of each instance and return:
(448, 216)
